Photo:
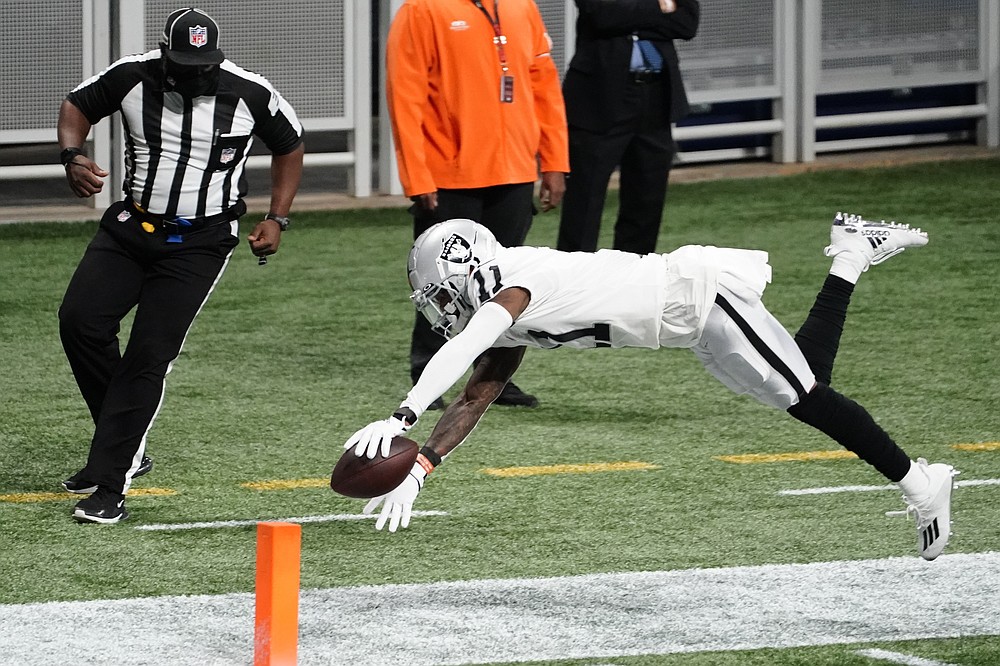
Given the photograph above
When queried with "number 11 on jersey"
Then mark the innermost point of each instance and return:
(485, 292)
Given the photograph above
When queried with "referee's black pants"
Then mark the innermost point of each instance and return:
(643, 149)
(125, 267)
(506, 210)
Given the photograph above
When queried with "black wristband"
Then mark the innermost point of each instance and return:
(69, 154)
(406, 415)
(431, 455)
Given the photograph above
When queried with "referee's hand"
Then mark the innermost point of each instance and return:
(85, 176)
(265, 238)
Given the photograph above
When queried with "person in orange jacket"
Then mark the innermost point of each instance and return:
(476, 111)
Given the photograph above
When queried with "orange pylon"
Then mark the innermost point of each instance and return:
(276, 628)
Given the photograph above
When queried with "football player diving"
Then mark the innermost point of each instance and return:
(491, 302)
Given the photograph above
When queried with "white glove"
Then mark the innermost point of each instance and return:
(378, 434)
(399, 502)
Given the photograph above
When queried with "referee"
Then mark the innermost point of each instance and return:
(189, 117)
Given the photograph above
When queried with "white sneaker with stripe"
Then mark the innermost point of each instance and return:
(876, 241)
(931, 510)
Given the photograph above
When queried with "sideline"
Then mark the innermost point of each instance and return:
(597, 616)
(65, 208)
(162, 527)
(967, 483)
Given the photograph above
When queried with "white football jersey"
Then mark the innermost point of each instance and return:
(603, 299)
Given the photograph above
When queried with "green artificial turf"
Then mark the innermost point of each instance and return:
(287, 360)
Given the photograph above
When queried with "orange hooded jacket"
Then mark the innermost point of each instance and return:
(443, 87)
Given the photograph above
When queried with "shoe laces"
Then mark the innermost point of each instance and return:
(910, 511)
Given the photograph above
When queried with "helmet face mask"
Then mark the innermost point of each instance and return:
(444, 307)
(439, 267)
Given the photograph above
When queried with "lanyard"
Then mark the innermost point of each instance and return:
(498, 37)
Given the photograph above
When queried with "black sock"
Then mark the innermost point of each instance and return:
(852, 427)
(819, 336)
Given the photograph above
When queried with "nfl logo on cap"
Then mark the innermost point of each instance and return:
(198, 35)
(191, 37)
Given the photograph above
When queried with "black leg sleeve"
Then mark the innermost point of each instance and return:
(852, 427)
(819, 336)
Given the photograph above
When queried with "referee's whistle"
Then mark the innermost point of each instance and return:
(261, 261)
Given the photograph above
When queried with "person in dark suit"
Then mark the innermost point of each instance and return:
(623, 90)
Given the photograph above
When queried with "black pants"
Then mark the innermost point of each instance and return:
(642, 146)
(506, 210)
(167, 283)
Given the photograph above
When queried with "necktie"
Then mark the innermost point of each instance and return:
(650, 55)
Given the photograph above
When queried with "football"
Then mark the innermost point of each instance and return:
(370, 477)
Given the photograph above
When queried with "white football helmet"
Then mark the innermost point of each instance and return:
(440, 264)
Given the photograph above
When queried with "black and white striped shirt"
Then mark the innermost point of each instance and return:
(187, 157)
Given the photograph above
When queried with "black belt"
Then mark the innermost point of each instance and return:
(645, 76)
(185, 225)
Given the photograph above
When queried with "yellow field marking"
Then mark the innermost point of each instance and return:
(584, 468)
(286, 484)
(751, 458)
(981, 446)
(22, 498)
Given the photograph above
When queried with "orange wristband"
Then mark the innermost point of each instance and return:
(425, 463)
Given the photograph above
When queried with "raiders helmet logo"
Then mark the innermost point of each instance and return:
(457, 250)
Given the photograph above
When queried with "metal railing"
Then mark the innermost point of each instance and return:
(791, 57)
(316, 52)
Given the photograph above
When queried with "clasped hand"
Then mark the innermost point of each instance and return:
(264, 238)
(85, 177)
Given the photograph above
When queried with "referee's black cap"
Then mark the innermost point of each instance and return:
(191, 37)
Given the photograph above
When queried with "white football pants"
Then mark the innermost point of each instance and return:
(748, 350)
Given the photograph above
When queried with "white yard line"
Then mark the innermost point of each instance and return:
(897, 658)
(245, 523)
(599, 616)
(837, 489)
(968, 483)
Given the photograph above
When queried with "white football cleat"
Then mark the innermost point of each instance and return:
(876, 241)
(931, 510)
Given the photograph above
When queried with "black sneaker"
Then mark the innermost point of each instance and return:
(512, 396)
(104, 506)
(145, 467)
(78, 485)
(436, 405)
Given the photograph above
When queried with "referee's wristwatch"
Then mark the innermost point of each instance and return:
(283, 222)
(69, 154)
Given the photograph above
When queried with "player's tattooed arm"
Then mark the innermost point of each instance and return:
(490, 375)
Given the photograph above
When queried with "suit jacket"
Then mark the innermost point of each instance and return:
(594, 85)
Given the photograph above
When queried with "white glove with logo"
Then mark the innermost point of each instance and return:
(399, 502)
(368, 440)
